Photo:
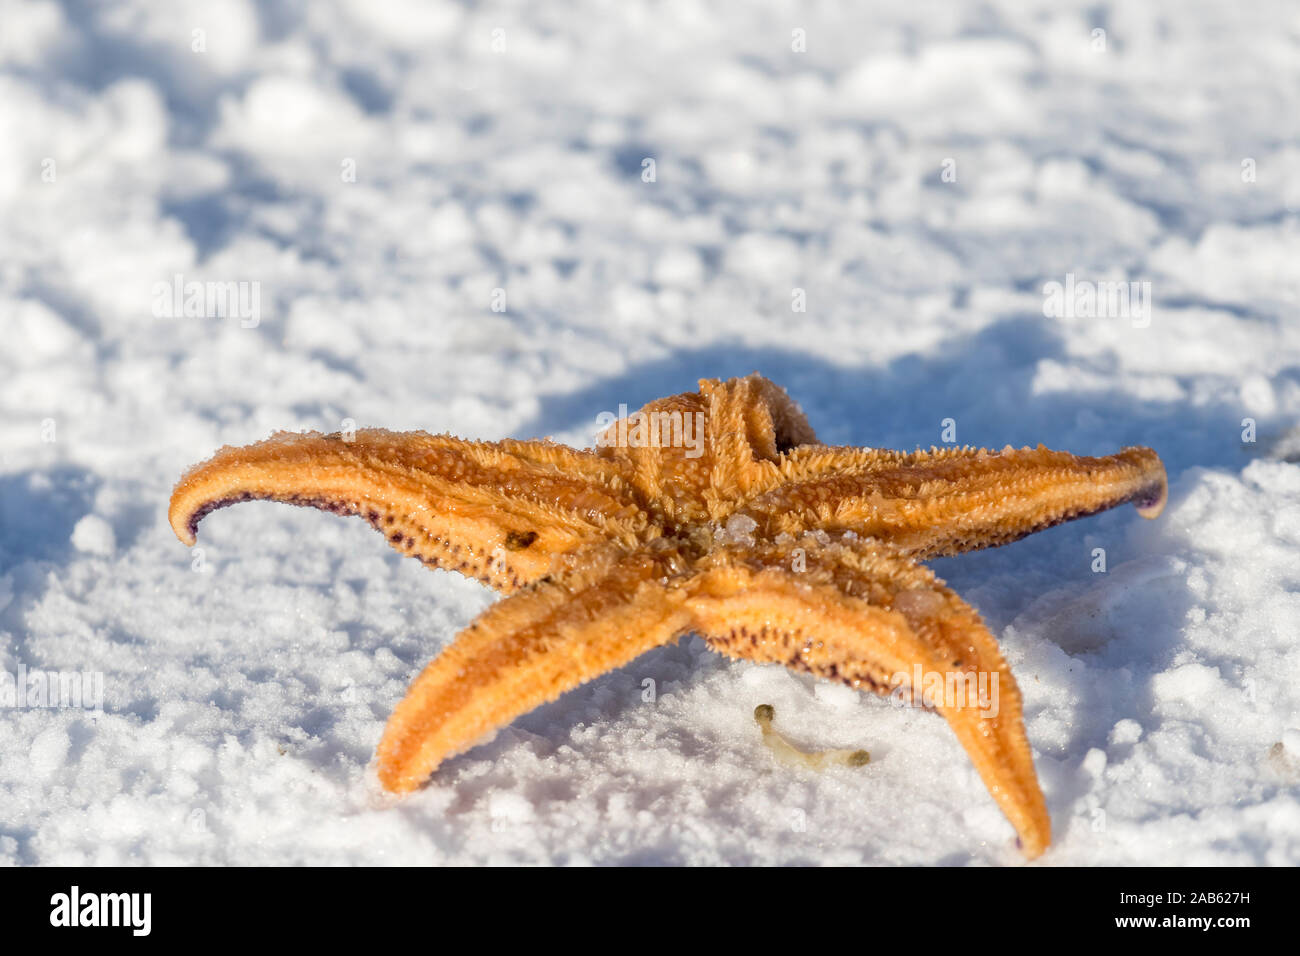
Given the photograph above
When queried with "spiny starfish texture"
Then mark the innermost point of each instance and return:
(769, 545)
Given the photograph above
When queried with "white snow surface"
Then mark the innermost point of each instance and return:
(246, 684)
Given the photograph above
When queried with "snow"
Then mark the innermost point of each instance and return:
(93, 535)
(386, 173)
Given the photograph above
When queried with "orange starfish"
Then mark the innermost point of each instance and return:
(771, 546)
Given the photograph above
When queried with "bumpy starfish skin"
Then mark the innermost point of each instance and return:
(772, 547)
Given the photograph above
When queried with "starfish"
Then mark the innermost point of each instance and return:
(715, 512)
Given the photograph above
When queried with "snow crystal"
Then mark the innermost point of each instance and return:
(739, 530)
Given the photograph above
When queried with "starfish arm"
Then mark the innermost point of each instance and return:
(874, 619)
(943, 502)
(689, 456)
(524, 651)
(500, 512)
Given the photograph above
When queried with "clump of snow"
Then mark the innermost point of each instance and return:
(446, 230)
(738, 531)
(94, 535)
